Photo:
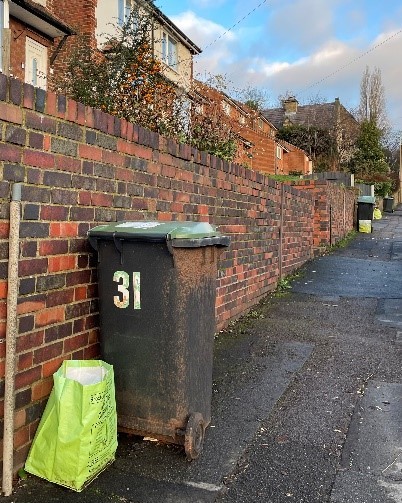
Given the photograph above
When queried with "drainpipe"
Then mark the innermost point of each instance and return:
(11, 335)
(6, 39)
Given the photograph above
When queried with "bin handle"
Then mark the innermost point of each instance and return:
(118, 242)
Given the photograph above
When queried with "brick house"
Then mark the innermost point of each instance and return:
(31, 36)
(38, 37)
(333, 117)
(257, 146)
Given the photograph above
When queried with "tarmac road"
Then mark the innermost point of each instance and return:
(307, 402)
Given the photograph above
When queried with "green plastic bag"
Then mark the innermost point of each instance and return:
(77, 436)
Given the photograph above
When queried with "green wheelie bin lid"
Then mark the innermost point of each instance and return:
(366, 199)
(176, 234)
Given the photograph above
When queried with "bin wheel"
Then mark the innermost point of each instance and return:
(194, 436)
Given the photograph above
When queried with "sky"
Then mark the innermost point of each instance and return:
(311, 49)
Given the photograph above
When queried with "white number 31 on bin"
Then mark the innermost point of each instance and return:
(122, 300)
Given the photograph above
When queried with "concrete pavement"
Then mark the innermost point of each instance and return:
(307, 401)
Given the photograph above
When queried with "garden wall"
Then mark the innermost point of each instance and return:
(80, 167)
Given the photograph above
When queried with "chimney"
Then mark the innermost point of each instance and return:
(290, 105)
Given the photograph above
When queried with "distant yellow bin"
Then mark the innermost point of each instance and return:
(365, 226)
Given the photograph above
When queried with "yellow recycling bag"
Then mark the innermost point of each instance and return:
(77, 436)
(377, 214)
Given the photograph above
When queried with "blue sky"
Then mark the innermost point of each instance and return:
(291, 46)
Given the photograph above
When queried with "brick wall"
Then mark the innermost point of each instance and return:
(333, 213)
(80, 167)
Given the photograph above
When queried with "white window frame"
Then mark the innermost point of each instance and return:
(169, 51)
(226, 107)
(124, 8)
(279, 152)
(33, 66)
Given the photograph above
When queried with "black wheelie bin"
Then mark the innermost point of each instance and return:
(365, 210)
(388, 204)
(157, 292)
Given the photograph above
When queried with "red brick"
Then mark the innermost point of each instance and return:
(84, 198)
(90, 152)
(112, 158)
(53, 213)
(46, 142)
(32, 266)
(70, 164)
(142, 152)
(10, 113)
(177, 207)
(47, 353)
(59, 297)
(89, 117)
(3, 310)
(99, 199)
(64, 229)
(124, 174)
(29, 341)
(71, 110)
(40, 159)
(21, 437)
(74, 343)
(20, 418)
(25, 361)
(10, 153)
(53, 247)
(30, 306)
(42, 388)
(51, 103)
(62, 263)
(202, 209)
(165, 217)
(92, 352)
(27, 377)
(49, 316)
(50, 367)
(80, 293)
(3, 289)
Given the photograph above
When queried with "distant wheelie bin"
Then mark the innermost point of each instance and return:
(157, 292)
(365, 210)
(388, 204)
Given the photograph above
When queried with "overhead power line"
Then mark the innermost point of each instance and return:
(352, 61)
(236, 24)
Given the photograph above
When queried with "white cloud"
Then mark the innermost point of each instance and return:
(324, 65)
(203, 32)
(208, 3)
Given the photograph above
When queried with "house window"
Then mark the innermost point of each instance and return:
(278, 152)
(226, 107)
(260, 123)
(199, 109)
(169, 50)
(35, 63)
(124, 11)
(242, 119)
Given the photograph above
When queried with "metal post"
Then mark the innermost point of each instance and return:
(11, 336)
